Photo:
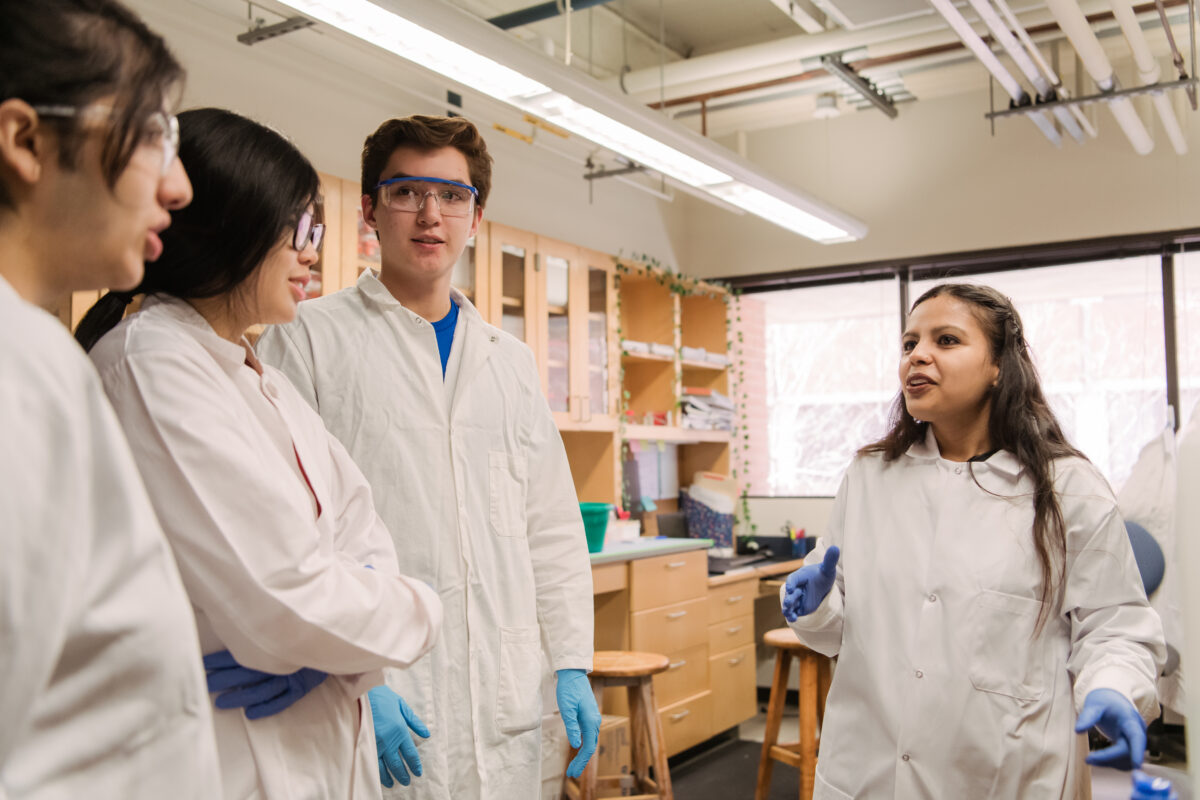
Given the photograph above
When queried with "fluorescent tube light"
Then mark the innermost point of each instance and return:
(469, 51)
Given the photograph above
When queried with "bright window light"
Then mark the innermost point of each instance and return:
(391, 32)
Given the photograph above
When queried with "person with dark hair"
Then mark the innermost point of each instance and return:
(102, 692)
(976, 584)
(291, 573)
(445, 415)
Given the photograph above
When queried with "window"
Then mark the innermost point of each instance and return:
(1097, 339)
(1187, 333)
(829, 354)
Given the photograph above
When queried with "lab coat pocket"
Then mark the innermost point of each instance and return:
(518, 693)
(1005, 658)
(506, 476)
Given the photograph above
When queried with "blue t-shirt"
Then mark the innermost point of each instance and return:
(444, 328)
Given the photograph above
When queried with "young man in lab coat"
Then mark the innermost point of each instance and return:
(445, 415)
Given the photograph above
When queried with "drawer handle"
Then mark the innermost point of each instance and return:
(676, 564)
(676, 614)
(733, 599)
(734, 629)
(677, 664)
(680, 715)
(733, 662)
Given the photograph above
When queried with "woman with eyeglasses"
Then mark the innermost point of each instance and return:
(292, 575)
(102, 693)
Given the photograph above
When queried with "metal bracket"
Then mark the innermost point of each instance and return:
(1186, 84)
(840, 69)
(264, 32)
(595, 172)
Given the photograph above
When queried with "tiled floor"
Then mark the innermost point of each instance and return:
(1107, 784)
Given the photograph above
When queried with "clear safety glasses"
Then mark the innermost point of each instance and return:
(306, 231)
(161, 129)
(453, 199)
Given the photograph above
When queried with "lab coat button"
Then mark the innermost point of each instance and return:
(958, 470)
(933, 598)
(904, 757)
(920, 674)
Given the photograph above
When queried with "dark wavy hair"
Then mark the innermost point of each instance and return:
(250, 187)
(75, 52)
(426, 133)
(1020, 422)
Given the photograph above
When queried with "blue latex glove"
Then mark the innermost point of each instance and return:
(393, 742)
(580, 717)
(1115, 716)
(260, 693)
(807, 586)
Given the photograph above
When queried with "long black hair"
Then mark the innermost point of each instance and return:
(71, 53)
(250, 186)
(1020, 422)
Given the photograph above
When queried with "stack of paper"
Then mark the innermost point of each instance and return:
(706, 410)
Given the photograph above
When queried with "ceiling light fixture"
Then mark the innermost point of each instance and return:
(468, 50)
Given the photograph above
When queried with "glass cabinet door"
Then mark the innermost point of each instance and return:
(599, 281)
(557, 276)
(512, 289)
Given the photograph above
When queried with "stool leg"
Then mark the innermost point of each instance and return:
(824, 676)
(658, 745)
(639, 734)
(783, 663)
(587, 781)
(808, 724)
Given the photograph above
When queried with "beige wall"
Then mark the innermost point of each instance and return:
(935, 181)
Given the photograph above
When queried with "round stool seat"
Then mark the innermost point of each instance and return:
(627, 664)
(784, 639)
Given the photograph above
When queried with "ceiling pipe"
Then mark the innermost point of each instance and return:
(1060, 91)
(1024, 62)
(985, 55)
(542, 11)
(1148, 71)
(1091, 53)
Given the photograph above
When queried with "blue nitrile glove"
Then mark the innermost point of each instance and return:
(393, 742)
(1115, 716)
(807, 586)
(261, 693)
(580, 717)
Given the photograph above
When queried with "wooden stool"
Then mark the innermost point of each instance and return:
(814, 686)
(635, 671)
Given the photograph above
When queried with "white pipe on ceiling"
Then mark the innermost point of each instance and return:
(1148, 71)
(1005, 78)
(1024, 62)
(1075, 25)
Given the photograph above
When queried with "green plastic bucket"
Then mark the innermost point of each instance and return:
(595, 523)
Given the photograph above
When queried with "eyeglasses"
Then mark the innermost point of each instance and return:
(307, 231)
(453, 199)
(161, 128)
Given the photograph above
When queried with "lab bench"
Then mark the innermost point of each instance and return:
(656, 595)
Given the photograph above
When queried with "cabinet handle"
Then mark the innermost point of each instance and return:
(734, 599)
(676, 564)
(733, 662)
(733, 630)
(676, 614)
(680, 715)
(677, 664)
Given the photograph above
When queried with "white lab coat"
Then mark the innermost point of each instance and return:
(941, 691)
(101, 687)
(1148, 498)
(476, 489)
(273, 554)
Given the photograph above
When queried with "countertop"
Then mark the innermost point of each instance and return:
(646, 547)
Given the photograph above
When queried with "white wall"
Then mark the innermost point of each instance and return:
(935, 181)
(300, 84)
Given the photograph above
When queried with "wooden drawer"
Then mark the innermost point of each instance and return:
(687, 675)
(687, 723)
(609, 577)
(664, 580)
(731, 633)
(734, 694)
(671, 628)
(732, 600)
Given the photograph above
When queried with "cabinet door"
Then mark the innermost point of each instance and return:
(471, 275)
(512, 285)
(562, 292)
(602, 376)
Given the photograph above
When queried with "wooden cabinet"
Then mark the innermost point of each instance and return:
(731, 664)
